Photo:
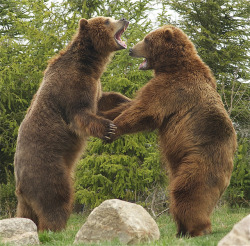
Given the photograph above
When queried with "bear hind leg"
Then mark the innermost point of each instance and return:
(54, 210)
(192, 203)
(24, 210)
(53, 220)
(181, 229)
(191, 223)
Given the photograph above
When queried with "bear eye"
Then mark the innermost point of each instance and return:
(146, 40)
(107, 22)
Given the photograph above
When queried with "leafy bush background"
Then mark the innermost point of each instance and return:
(238, 193)
(33, 31)
(125, 170)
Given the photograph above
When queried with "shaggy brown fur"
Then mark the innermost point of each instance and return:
(61, 117)
(196, 135)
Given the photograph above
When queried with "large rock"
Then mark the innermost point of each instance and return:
(239, 235)
(18, 231)
(128, 222)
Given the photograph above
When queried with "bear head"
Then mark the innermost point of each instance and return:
(165, 47)
(104, 33)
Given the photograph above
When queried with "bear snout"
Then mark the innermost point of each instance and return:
(126, 22)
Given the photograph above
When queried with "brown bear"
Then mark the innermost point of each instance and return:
(62, 115)
(197, 137)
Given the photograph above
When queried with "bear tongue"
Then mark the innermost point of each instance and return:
(122, 43)
(143, 65)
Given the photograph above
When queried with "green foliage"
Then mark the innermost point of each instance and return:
(127, 169)
(35, 34)
(8, 200)
(220, 32)
(237, 103)
(238, 193)
(33, 31)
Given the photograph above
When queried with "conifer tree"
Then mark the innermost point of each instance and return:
(220, 32)
(31, 33)
(34, 31)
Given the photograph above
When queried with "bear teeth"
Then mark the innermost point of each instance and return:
(118, 37)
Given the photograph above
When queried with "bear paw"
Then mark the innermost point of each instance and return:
(109, 134)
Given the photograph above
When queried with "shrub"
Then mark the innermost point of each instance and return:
(127, 169)
(8, 199)
(238, 192)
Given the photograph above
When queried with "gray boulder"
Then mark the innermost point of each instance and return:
(239, 235)
(116, 219)
(18, 231)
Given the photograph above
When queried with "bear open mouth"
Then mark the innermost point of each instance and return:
(144, 65)
(119, 34)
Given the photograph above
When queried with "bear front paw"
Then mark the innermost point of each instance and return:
(110, 132)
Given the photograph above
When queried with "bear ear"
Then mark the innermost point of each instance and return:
(82, 23)
(168, 34)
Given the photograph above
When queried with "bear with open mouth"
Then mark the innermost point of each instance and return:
(62, 115)
(197, 137)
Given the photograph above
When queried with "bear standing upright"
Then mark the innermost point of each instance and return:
(62, 115)
(197, 137)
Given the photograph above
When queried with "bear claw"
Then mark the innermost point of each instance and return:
(112, 126)
(108, 138)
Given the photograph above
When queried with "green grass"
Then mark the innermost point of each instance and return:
(223, 220)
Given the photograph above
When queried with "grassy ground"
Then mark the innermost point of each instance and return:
(223, 220)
